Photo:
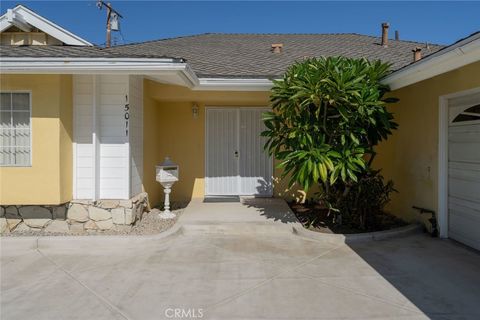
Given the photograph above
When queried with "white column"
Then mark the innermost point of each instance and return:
(96, 136)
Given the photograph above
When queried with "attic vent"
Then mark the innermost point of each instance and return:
(277, 47)
(417, 54)
(385, 27)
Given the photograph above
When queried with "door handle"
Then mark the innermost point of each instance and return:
(236, 154)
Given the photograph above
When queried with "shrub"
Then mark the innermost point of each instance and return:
(328, 114)
(366, 199)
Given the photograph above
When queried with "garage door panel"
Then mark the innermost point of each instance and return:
(464, 190)
(464, 171)
(466, 209)
(456, 203)
(464, 179)
(464, 152)
(468, 166)
(464, 222)
(464, 184)
(464, 238)
(470, 130)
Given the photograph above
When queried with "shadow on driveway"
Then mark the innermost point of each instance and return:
(440, 277)
(271, 209)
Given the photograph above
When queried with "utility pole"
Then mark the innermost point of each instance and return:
(112, 20)
(109, 25)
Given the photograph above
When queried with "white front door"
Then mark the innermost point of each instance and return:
(236, 163)
(464, 171)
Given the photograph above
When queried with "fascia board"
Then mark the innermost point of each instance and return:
(436, 65)
(229, 84)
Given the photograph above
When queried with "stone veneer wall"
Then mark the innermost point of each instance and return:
(76, 216)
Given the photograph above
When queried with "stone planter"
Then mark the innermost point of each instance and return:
(74, 217)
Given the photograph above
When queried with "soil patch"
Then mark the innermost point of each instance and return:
(315, 217)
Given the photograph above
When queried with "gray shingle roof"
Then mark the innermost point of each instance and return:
(215, 55)
(249, 55)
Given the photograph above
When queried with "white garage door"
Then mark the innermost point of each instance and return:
(464, 171)
(236, 163)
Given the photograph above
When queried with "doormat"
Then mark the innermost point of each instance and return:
(221, 199)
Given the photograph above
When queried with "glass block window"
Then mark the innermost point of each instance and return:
(15, 130)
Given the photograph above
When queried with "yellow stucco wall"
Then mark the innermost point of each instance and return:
(171, 130)
(49, 179)
(410, 156)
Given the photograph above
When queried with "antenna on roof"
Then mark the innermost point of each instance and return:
(113, 20)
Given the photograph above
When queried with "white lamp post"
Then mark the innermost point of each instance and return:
(167, 175)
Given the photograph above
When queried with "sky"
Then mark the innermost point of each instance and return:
(432, 22)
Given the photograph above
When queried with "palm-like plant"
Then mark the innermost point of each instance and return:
(328, 114)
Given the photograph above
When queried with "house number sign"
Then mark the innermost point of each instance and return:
(127, 114)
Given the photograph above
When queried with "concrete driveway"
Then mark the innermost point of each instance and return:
(237, 260)
(192, 276)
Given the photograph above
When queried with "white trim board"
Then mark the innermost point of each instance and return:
(460, 54)
(154, 69)
(226, 84)
(24, 18)
(102, 157)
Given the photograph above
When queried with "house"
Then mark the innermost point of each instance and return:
(87, 125)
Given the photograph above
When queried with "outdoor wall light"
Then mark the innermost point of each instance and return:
(195, 111)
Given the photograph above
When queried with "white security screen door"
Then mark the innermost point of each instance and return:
(221, 148)
(236, 163)
(464, 170)
(255, 164)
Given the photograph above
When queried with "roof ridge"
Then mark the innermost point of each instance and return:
(158, 40)
(409, 41)
(273, 33)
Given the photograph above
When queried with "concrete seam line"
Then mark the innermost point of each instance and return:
(109, 305)
(402, 306)
(262, 283)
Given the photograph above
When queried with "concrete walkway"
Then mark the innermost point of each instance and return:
(250, 215)
(238, 276)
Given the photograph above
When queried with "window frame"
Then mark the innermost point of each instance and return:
(30, 160)
(462, 111)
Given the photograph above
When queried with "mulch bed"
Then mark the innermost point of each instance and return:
(315, 218)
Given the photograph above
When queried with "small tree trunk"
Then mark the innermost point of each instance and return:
(340, 200)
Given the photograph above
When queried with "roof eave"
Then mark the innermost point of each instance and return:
(152, 68)
(157, 68)
(229, 84)
(450, 58)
